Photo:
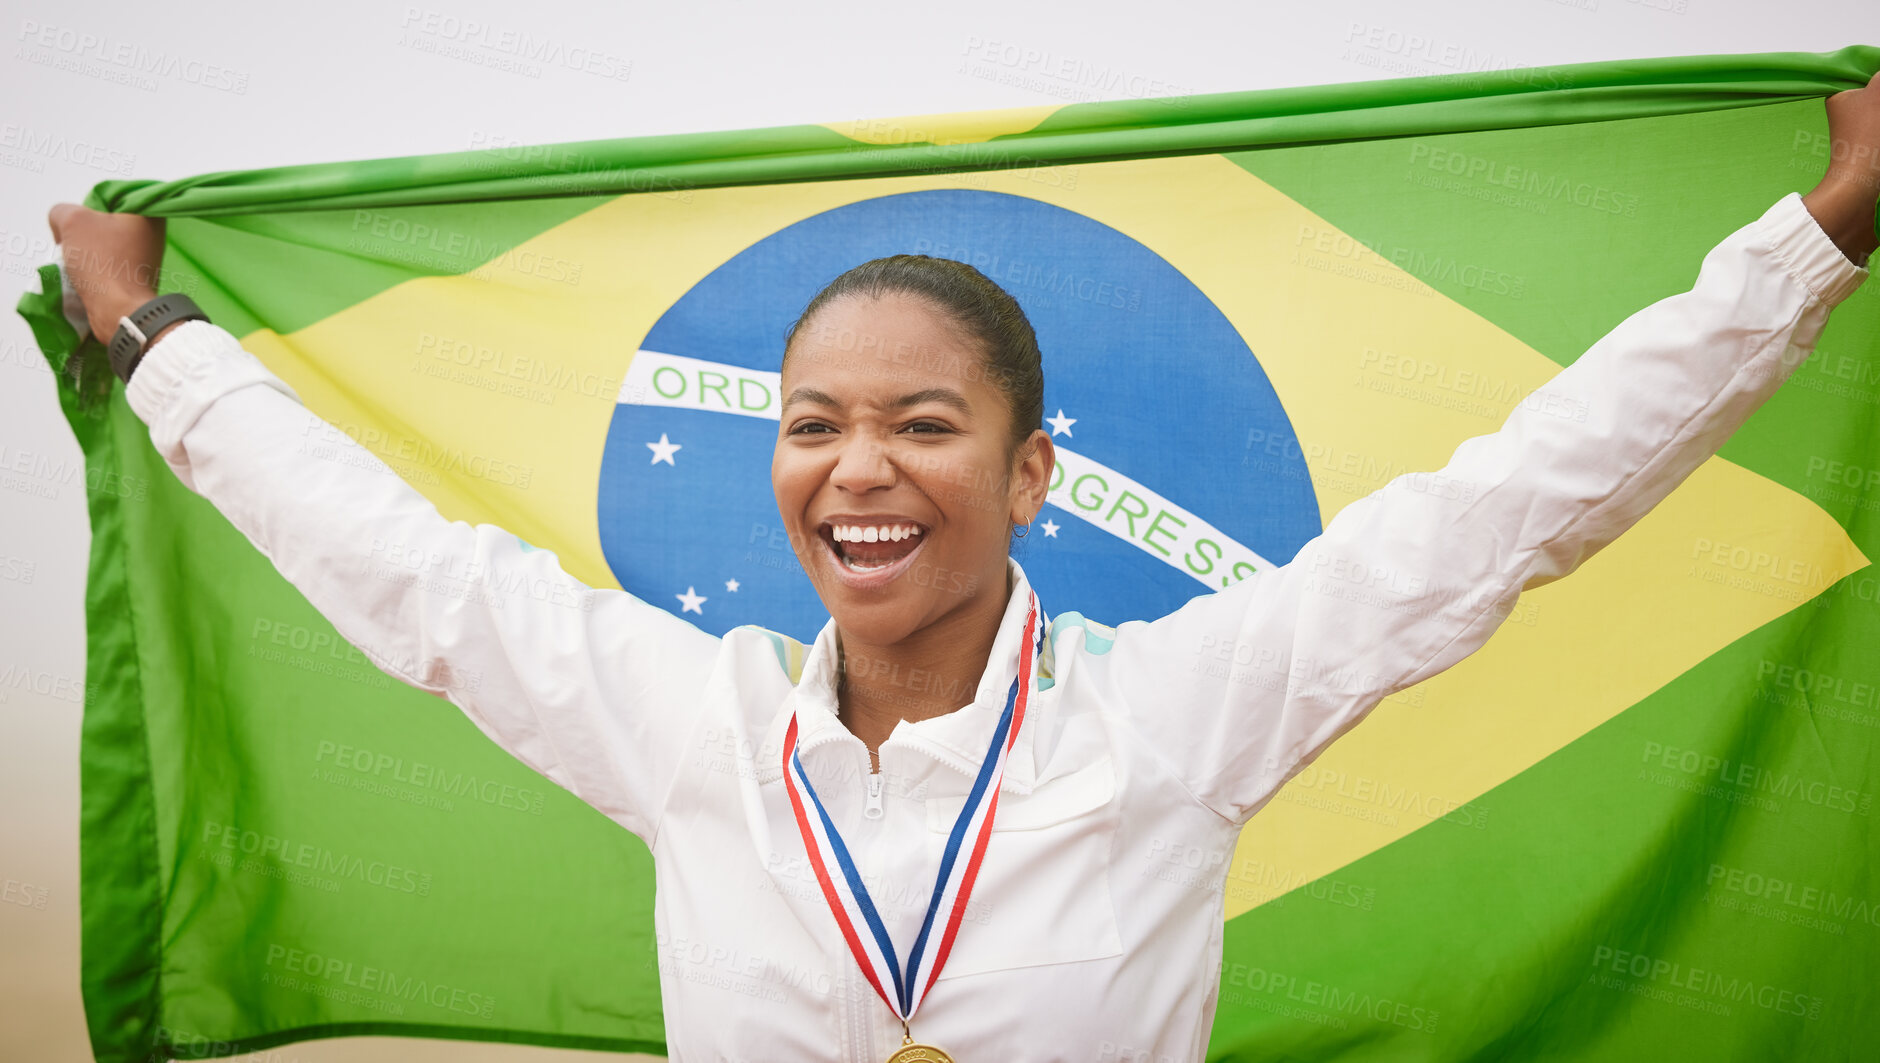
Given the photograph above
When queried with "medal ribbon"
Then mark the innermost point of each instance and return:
(848, 898)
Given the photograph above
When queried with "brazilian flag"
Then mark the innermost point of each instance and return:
(1638, 824)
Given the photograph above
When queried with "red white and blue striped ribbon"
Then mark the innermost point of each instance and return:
(855, 912)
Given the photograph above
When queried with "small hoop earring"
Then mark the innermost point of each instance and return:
(1021, 530)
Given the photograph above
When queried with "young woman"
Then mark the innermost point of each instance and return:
(966, 829)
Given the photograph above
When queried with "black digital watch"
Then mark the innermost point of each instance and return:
(132, 338)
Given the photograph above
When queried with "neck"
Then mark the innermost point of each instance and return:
(932, 672)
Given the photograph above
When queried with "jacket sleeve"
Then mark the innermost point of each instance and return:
(1239, 689)
(593, 688)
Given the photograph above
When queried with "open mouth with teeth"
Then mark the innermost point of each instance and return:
(867, 547)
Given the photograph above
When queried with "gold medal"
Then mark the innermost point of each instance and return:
(909, 1052)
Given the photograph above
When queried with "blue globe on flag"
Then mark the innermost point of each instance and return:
(1178, 471)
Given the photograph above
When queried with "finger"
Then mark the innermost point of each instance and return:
(59, 215)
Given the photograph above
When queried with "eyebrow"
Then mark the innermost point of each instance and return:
(944, 396)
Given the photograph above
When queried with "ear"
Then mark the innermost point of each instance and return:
(1033, 465)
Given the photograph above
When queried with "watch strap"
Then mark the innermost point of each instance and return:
(132, 339)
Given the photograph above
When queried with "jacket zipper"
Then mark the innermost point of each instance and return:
(873, 810)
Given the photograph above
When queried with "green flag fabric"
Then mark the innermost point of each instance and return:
(1638, 824)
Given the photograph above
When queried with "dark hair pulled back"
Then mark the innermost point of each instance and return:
(977, 307)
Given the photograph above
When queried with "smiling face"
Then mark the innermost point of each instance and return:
(893, 470)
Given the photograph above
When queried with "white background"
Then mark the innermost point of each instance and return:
(345, 79)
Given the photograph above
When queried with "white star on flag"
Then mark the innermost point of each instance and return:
(731, 585)
(691, 601)
(1050, 528)
(1060, 424)
(662, 451)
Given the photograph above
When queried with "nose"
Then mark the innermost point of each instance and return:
(863, 464)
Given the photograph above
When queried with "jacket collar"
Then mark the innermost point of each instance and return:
(954, 744)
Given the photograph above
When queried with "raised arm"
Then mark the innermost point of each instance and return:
(594, 689)
(1239, 689)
